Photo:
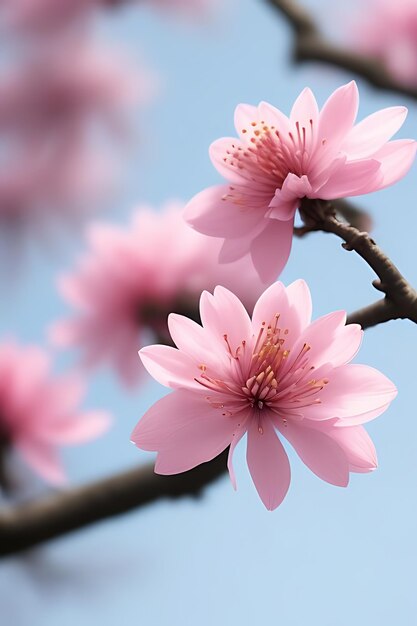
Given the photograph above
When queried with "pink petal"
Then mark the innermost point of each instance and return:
(236, 437)
(271, 248)
(222, 153)
(189, 337)
(268, 463)
(170, 367)
(274, 117)
(338, 114)
(186, 431)
(318, 451)
(355, 394)
(358, 447)
(263, 114)
(245, 114)
(211, 214)
(396, 158)
(287, 199)
(299, 299)
(223, 314)
(44, 459)
(352, 179)
(305, 111)
(373, 132)
(77, 429)
(234, 249)
(330, 340)
(274, 301)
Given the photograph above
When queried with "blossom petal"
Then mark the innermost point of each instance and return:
(224, 315)
(299, 299)
(358, 447)
(271, 248)
(274, 302)
(245, 114)
(373, 132)
(329, 340)
(355, 394)
(305, 112)
(338, 114)
(322, 454)
(185, 430)
(234, 249)
(177, 421)
(170, 366)
(188, 336)
(273, 117)
(210, 213)
(236, 437)
(396, 158)
(287, 199)
(226, 154)
(352, 179)
(77, 429)
(43, 458)
(268, 463)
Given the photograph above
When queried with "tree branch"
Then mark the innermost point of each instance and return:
(25, 526)
(400, 299)
(310, 45)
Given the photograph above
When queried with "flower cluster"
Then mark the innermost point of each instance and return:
(130, 280)
(278, 375)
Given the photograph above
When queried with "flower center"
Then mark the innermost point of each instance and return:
(270, 157)
(270, 376)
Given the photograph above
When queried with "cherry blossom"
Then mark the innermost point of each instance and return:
(278, 161)
(273, 377)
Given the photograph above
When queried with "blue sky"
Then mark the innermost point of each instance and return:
(326, 556)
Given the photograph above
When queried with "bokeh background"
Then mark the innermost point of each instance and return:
(326, 556)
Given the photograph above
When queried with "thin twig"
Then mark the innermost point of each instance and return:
(400, 299)
(310, 45)
(25, 526)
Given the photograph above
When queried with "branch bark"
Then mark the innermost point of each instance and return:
(28, 525)
(400, 301)
(310, 45)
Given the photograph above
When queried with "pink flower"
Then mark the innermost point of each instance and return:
(278, 161)
(53, 114)
(41, 17)
(130, 280)
(388, 31)
(277, 374)
(39, 413)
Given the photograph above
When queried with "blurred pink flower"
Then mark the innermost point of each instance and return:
(53, 17)
(56, 117)
(277, 373)
(130, 281)
(39, 413)
(278, 161)
(388, 31)
(41, 17)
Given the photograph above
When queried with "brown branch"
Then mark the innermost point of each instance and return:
(27, 525)
(310, 45)
(400, 299)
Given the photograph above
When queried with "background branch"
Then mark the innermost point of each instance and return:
(310, 45)
(25, 526)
